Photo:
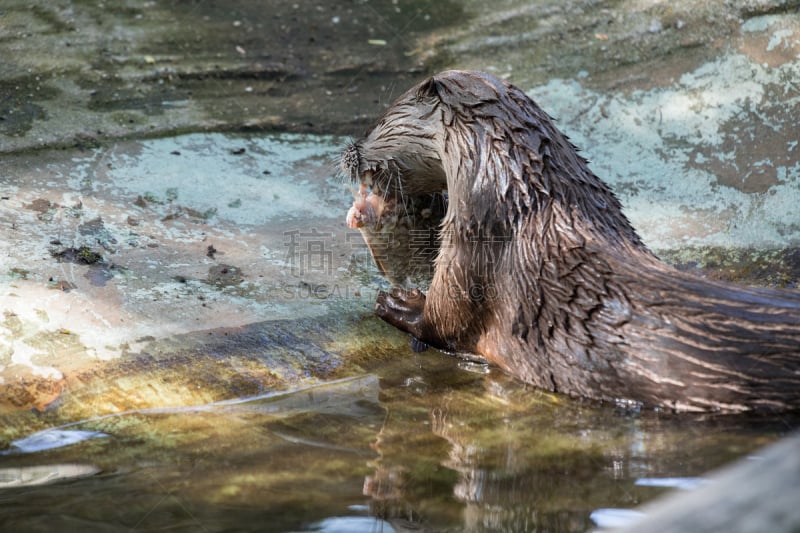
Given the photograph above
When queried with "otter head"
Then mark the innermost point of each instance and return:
(400, 156)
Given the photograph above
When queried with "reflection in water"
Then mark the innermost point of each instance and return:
(50, 439)
(351, 524)
(28, 476)
(421, 445)
(685, 483)
(615, 518)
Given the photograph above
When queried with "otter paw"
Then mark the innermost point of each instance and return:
(402, 309)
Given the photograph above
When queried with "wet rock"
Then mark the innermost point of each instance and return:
(82, 255)
(224, 276)
(166, 68)
(96, 229)
(684, 108)
(771, 267)
(45, 208)
(762, 484)
(119, 306)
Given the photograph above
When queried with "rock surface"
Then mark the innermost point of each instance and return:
(173, 235)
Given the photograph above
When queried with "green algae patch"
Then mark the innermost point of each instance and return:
(82, 255)
(223, 275)
(191, 369)
(19, 273)
(767, 267)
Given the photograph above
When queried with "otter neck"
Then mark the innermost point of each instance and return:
(510, 176)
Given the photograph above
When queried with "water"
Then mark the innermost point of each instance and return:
(418, 444)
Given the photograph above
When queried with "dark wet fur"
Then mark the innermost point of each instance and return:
(541, 273)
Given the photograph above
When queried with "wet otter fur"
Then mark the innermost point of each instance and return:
(540, 273)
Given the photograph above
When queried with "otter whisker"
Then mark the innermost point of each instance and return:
(403, 199)
(350, 161)
(335, 169)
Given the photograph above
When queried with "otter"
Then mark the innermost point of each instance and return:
(539, 272)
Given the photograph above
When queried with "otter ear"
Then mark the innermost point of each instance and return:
(428, 89)
(433, 88)
(462, 88)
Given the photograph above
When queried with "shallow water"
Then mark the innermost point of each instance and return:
(422, 443)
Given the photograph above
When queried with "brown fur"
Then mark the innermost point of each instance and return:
(540, 272)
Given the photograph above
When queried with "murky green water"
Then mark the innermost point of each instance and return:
(421, 444)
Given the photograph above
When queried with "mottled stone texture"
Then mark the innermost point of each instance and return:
(164, 244)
